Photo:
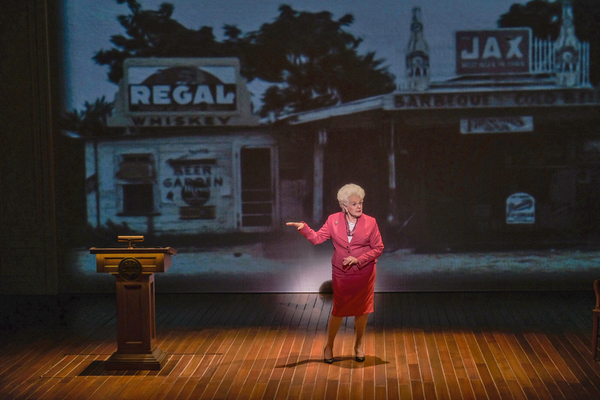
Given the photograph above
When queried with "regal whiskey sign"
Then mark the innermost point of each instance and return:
(179, 92)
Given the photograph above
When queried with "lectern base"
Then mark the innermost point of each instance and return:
(149, 361)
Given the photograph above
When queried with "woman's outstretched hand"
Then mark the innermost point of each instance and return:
(298, 225)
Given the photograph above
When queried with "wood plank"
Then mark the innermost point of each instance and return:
(242, 346)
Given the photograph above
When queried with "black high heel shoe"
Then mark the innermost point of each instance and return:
(327, 360)
(360, 359)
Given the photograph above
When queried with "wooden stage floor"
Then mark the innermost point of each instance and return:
(475, 345)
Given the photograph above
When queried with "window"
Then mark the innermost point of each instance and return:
(137, 175)
(136, 167)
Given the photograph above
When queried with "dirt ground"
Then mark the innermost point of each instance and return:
(294, 265)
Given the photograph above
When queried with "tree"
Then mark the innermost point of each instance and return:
(313, 61)
(545, 17)
(309, 57)
(541, 16)
(91, 121)
(155, 34)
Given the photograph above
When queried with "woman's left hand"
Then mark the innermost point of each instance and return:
(349, 261)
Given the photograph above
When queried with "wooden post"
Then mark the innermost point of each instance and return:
(319, 155)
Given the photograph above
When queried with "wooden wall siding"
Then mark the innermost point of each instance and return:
(270, 346)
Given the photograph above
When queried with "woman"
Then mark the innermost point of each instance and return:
(357, 244)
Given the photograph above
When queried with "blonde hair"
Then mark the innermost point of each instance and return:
(348, 191)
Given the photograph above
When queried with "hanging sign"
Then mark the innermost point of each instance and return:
(496, 125)
(520, 209)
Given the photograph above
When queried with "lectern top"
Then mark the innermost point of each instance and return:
(138, 250)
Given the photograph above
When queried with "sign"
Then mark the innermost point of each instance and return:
(520, 209)
(195, 182)
(496, 125)
(182, 92)
(495, 98)
(500, 51)
(181, 120)
(182, 88)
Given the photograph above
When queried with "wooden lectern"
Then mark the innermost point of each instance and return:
(134, 270)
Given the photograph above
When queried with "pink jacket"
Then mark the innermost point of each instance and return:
(366, 244)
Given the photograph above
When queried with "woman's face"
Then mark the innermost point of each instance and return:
(355, 206)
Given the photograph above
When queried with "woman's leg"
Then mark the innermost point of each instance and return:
(360, 324)
(332, 330)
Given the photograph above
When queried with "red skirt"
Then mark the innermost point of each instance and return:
(353, 292)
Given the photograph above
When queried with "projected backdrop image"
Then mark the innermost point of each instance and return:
(207, 127)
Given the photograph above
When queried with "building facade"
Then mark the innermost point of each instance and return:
(194, 158)
(507, 153)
